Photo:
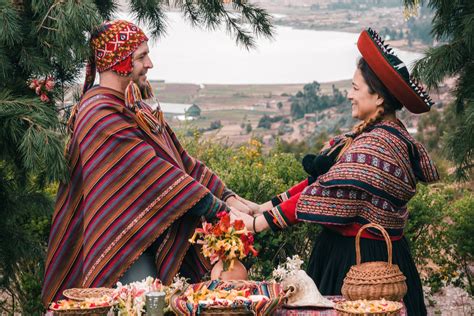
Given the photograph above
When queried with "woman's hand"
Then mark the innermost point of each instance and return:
(246, 218)
(255, 224)
(266, 207)
(256, 208)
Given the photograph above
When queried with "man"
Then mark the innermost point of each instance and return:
(135, 196)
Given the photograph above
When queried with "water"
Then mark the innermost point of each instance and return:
(174, 108)
(191, 55)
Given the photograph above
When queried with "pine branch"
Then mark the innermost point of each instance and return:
(460, 142)
(106, 8)
(30, 128)
(191, 12)
(242, 36)
(209, 14)
(150, 12)
(258, 18)
(453, 23)
(61, 31)
(9, 24)
(439, 63)
(468, 28)
(6, 68)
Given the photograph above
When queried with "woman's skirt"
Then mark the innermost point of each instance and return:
(333, 255)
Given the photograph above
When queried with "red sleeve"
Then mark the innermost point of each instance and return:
(296, 189)
(283, 215)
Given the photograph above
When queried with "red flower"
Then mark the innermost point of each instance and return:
(239, 224)
(247, 240)
(224, 223)
(49, 84)
(217, 231)
(34, 84)
(44, 97)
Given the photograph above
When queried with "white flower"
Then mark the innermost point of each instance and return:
(179, 283)
(279, 273)
(130, 298)
(294, 263)
(291, 266)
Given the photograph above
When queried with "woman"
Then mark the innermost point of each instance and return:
(368, 175)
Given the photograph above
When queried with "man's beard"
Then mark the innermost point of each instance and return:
(144, 87)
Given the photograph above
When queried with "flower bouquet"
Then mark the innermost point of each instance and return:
(225, 241)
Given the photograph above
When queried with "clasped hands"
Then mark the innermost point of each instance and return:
(249, 212)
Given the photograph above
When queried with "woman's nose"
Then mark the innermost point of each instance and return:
(349, 95)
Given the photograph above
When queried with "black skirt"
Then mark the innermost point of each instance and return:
(333, 255)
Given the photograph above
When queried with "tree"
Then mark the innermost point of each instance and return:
(215, 125)
(248, 128)
(454, 57)
(265, 122)
(43, 47)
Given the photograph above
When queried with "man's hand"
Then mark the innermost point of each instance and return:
(254, 207)
(235, 203)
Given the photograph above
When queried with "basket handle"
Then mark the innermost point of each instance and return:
(385, 236)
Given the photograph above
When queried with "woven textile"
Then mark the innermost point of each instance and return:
(128, 187)
(372, 181)
(181, 306)
(115, 44)
(316, 311)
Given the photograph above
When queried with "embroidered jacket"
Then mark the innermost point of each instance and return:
(372, 182)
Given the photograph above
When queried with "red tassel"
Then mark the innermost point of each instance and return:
(125, 67)
(141, 118)
(159, 116)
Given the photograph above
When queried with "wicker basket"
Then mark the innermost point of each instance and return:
(98, 311)
(374, 280)
(81, 294)
(342, 311)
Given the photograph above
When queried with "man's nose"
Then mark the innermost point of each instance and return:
(149, 63)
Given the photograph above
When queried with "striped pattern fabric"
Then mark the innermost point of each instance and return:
(181, 306)
(127, 188)
(372, 181)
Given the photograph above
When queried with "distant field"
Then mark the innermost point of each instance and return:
(234, 105)
(217, 97)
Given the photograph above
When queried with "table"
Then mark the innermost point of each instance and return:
(316, 311)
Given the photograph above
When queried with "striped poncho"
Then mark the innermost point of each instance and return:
(128, 188)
